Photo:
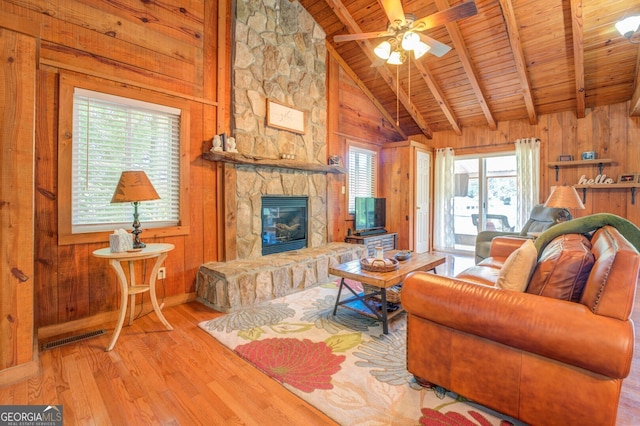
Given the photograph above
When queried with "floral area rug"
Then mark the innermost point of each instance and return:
(343, 365)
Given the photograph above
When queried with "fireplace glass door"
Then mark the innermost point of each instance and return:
(284, 224)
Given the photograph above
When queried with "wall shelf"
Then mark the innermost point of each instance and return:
(600, 162)
(254, 160)
(631, 186)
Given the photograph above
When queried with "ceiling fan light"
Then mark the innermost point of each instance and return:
(410, 40)
(383, 50)
(397, 57)
(420, 49)
(628, 26)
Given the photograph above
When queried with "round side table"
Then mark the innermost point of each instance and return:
(130, 288)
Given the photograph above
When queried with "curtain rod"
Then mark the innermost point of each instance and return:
(486, 146)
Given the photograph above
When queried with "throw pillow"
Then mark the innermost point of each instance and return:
(563, 268)
(518, 267)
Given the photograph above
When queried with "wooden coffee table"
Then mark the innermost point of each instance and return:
(380, 280)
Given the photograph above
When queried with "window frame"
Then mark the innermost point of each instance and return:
(376, 162)
(65, 156)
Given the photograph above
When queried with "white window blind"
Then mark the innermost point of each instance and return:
(362, 174)
(112, 134)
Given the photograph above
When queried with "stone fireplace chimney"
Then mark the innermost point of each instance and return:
(279, 53)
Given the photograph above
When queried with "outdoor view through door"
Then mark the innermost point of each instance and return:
(485, 196)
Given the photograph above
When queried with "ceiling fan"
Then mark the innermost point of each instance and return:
(404, 32)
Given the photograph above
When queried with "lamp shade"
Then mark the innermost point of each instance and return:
(410, 40)
(134, 186)
(564, 197)
(420, 49)
(397, 57)
(383, 50)
(628, 26)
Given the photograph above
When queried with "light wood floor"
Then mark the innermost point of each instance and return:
(184, 377)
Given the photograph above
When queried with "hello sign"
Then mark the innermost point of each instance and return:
(600, 179)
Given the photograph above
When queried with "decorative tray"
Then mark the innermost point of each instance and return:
(379, 265)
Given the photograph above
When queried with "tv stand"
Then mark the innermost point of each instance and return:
(388, 241)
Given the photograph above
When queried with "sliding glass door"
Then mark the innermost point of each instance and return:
(485, 196)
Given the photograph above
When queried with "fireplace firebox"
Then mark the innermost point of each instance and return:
(284, 224)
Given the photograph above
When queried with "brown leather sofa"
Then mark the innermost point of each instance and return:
(538, 355)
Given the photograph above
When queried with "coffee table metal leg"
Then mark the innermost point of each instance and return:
(335, 308)
(385, 319)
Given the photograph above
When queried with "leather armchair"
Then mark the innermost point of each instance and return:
(541, 219)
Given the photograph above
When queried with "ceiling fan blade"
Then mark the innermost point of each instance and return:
(360, 36)
(463, 10)
(436, 48)
(394, 11)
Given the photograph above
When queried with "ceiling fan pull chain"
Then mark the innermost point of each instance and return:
(409, 83)
(397, 95)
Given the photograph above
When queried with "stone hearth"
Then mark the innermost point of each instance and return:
(226, 286)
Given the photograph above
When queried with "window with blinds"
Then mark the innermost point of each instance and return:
(362, 174)
(112, 134)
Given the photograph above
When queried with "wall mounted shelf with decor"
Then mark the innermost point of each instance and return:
(253, 160)
(631, 186)
(600, 162)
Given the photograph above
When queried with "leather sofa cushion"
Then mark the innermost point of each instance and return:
(563, 268)
(480, 274)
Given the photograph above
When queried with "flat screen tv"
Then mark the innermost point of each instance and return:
(370, 215)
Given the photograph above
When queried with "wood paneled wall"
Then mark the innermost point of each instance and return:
(607, 130)
(172, 47)
(351, 118)
(169, 47)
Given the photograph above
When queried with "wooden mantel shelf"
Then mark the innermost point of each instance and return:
(252, 160)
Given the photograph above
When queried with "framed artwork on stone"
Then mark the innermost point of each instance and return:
(284, 117)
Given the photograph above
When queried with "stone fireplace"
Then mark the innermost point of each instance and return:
(279, 53)
(284, 224)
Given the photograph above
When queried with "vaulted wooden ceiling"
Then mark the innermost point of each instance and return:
(514, 59)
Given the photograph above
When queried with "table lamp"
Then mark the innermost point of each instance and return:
(133, 187)
(564, 197)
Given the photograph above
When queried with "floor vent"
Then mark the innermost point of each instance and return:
(72, 339)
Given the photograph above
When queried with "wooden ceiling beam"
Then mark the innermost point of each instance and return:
(518, 56)
(634, 106)
(578, 56)
(334, 53)
(463, 53)
(352, 26)
(442, 101)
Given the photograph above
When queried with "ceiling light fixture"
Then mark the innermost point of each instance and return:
(629, 27)
(404, 40)
(409, 42)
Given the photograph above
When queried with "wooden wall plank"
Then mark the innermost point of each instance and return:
(18, 58)
(170, 34)
(45, 200)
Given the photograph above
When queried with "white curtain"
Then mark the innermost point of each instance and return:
(528, 164)
(443, 233)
